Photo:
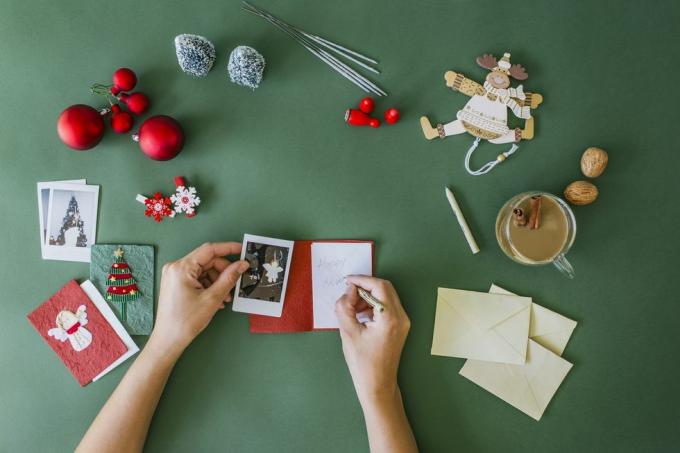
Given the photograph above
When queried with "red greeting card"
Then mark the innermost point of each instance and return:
(298, 310)
(77, 332)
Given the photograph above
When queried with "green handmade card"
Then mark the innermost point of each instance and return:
(124, 275)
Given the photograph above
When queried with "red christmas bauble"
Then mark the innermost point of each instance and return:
(160, 137)
(80, 127)
(391, 115)
(367, 105)
(124, 79)
(137, 103)
(121, 122)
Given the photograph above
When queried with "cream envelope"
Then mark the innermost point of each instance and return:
(528, 387)
(548, 328)
(481, 326)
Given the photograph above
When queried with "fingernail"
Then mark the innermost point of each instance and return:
(243, 267)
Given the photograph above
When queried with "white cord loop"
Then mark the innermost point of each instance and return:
(487, 167)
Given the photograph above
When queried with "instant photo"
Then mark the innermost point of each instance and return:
(262, 288)
(70, 227)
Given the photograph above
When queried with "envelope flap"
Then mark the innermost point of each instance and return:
(483, 309)
(545, 322)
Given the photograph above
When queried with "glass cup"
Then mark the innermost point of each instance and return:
(565, 233)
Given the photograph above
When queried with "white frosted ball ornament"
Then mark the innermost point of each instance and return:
(246, 66)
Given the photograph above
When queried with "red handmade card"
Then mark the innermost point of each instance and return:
(298, 315)
(77, 332)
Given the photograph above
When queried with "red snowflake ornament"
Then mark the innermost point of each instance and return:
(157, 206)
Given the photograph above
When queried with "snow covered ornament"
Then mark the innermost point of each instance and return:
(158, 206)
(195, 54)
(71, 327)
(485, 114)
(246, 66)
(185, 198)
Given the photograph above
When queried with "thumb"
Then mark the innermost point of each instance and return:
(346, 312)
(226, 281)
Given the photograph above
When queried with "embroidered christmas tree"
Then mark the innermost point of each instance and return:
(122, 285)
(71, 232)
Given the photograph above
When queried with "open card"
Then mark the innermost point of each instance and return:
(82, 331)
(316, 281)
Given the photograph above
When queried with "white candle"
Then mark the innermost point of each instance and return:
(461, 221)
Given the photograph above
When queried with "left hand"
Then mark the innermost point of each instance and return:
(192, 290)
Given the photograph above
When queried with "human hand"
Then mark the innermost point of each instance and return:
(372, 350)
(192, 290)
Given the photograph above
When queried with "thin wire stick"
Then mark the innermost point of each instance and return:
(347, 72)
(301, 38)
(334, 49)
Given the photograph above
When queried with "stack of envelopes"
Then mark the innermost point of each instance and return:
(513, 345)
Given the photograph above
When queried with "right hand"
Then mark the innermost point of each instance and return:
(372, 350)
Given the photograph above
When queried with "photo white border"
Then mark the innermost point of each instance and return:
(66, 253)
(257, 306)
(47, 185)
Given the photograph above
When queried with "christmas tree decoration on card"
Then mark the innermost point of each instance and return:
(78, 332)
(122, 286)
(195, 54)
(158, 207)
(71, 327)
(124, 274)
(185, 198)
(485, 116)
(246, 66)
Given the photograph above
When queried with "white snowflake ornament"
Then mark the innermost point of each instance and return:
(185, 198)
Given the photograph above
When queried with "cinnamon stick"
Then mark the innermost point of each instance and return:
(535, 215)
(520, 218)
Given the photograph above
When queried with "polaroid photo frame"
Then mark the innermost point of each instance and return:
(43, 206)
(261, 289)
(72, 241)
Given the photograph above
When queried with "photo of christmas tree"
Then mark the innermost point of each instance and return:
(71, 222)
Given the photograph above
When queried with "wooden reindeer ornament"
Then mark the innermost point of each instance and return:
(485, 115)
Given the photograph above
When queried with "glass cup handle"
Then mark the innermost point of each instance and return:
(564, 266)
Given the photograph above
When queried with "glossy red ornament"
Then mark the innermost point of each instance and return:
(391, 115)
(355, 117)
(121, 122)
(80, 127)
(367, 105)
(124, 79)
(137, 103)
(160, 137)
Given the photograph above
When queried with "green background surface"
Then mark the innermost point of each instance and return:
(279, 161)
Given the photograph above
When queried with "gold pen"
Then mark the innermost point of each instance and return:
(372, 301)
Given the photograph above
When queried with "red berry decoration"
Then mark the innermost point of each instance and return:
(391, 116)
(80, 127)
(121, 122)
(137, 103)
(160, 137)
(355, 117)
(124, 79)
(367, 105)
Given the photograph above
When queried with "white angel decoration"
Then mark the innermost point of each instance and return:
(70, 326)
(273, 269)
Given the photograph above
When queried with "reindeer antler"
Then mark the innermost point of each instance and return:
(518, 72)
(487, 61)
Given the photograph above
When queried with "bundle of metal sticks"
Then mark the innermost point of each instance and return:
(322, 49)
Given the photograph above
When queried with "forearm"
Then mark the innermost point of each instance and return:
(123, 422)
(387, 425)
